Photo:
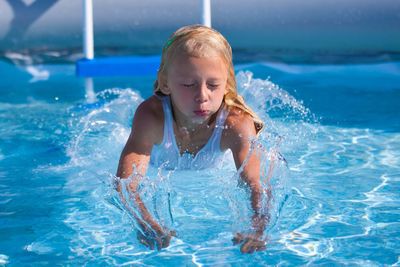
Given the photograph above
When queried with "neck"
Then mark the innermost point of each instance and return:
(190, 126)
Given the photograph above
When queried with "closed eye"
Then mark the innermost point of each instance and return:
(188, 84)
(213, 85)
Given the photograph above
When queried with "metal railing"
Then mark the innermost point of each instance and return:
(88, 36)
(88, 40)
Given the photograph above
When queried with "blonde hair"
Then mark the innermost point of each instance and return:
(202, 41)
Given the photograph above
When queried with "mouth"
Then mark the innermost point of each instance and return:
(201, 112)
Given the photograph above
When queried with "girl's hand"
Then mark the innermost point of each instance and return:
(155, 239)
(250, 242)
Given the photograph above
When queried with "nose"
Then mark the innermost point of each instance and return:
(202, 94)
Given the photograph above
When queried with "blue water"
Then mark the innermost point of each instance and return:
(338, 127)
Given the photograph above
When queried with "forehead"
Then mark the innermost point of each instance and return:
(186, 65)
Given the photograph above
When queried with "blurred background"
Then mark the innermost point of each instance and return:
(284, 30)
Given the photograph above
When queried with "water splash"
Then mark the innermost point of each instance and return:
(268, 99)
(179, 200)
(3, 259)
(288, 123)
(154, 190)
(99, 126)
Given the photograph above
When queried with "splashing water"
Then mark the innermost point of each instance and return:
(334, 203)
(192, 203)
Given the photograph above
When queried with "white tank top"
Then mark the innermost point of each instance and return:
(167, 153)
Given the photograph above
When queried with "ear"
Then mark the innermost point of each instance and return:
(226, 90)
(165, 90)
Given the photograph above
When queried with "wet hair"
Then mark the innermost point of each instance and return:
(201, 41)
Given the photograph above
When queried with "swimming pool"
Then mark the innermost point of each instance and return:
(339, 128)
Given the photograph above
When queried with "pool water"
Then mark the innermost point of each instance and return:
(337, 126)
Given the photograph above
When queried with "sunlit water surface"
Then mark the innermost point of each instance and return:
(336, 185)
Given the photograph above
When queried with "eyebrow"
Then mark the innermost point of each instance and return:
(214, 79)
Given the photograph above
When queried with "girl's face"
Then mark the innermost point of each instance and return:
(196, 86)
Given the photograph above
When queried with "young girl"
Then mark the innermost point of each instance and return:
(194, 116)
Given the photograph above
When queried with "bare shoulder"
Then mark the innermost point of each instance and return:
(151, 108)
(239, 129)
(149, 119)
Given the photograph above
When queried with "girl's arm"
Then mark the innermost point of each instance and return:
(146, 131)
(237, 137)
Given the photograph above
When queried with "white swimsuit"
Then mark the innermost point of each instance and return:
(167, 153)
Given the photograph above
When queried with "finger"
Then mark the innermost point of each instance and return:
(151, 244)
(148, 242)
(238, 238)
(159, 243)
(261, 248)
(144, 241)
(235, 241)
(255, 248)
(261, 245)
(251, 249)
(166, 241)
(245, 248)
(252, 246)
(140, 237)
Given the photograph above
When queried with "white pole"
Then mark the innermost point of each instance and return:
(88, 46)
(89, 90)
(88, 29)
(206, 13)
